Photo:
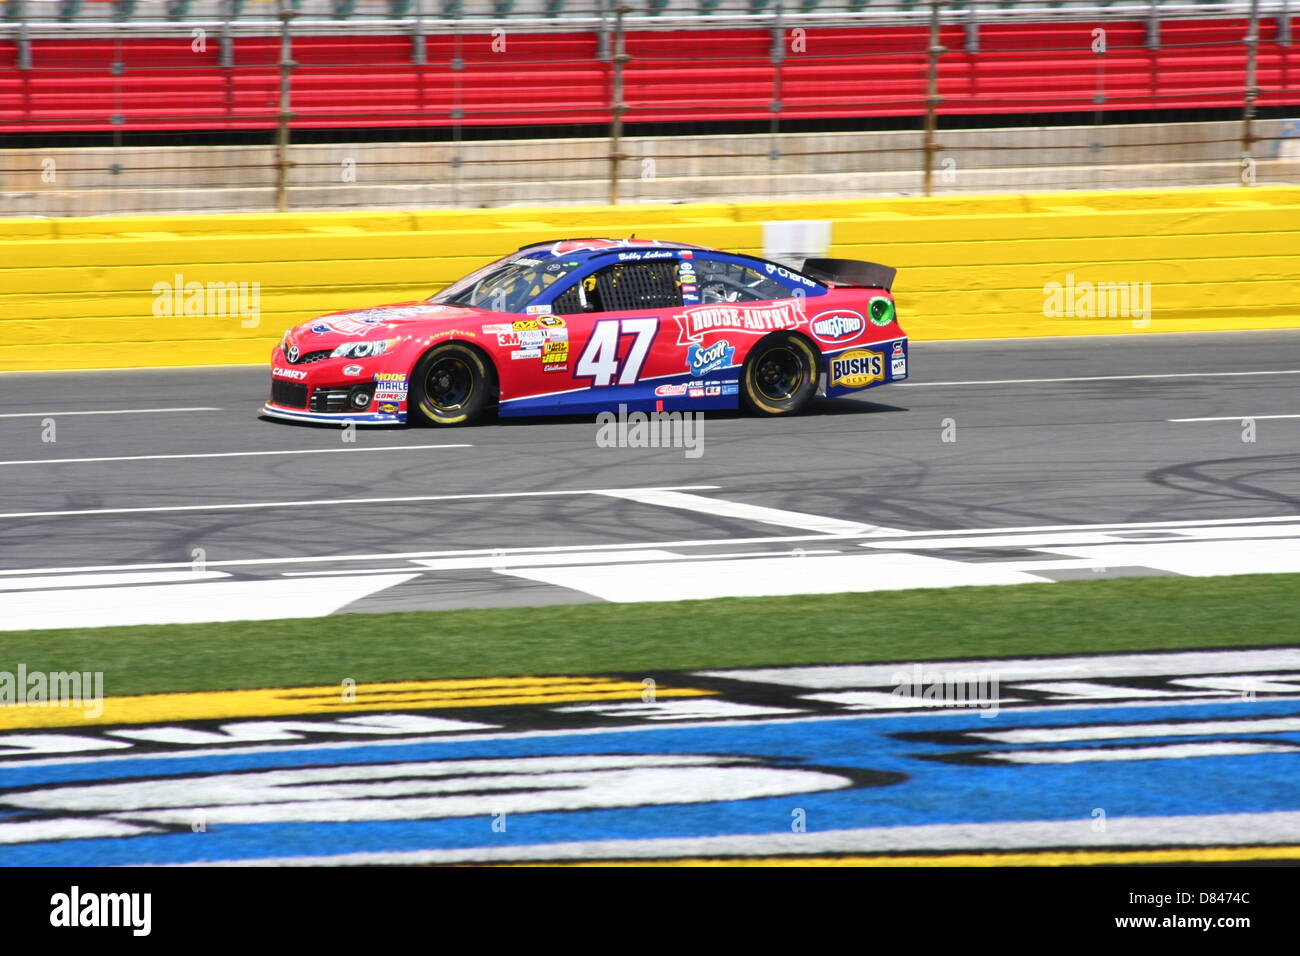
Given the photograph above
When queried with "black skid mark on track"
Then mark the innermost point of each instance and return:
(1241, 485)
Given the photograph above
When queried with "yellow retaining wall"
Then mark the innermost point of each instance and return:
(78, 293)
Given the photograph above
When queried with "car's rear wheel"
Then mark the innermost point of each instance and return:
(451, 385)
(780, 376)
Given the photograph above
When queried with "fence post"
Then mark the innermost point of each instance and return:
(282, 163)
(1252, 93)
(616, 105)
(932, 97)
(774, 108)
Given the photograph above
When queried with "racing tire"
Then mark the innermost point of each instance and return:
(451, 385)
(780, 376)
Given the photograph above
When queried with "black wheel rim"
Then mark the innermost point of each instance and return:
(778, 374)
(448, 384)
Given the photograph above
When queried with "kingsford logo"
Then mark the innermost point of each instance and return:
(695, 323)
(838, 326)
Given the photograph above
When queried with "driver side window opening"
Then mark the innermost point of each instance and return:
(731, 282)
(623, 286)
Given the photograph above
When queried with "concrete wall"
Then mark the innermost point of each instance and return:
(80, 293)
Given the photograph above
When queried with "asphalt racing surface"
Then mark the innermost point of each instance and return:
(173, 470)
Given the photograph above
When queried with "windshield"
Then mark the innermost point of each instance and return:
(505, 286)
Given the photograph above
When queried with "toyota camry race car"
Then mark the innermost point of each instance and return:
(586, 325)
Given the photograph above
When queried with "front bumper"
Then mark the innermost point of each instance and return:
(336, 391)
(271, 410)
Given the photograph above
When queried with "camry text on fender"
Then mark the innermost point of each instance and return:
(586, 325)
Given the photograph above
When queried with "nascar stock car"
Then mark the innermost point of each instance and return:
(587, 325)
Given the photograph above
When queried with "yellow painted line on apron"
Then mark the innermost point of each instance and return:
(295, 701)
(1221, 854)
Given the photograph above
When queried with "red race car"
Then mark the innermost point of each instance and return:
(587, 325)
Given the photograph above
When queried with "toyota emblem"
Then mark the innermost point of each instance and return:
(292, 353)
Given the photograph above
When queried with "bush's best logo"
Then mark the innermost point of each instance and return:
(857, 367)
(695, 323)
(838, 326)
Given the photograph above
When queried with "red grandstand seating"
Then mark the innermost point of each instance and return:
(688, 75)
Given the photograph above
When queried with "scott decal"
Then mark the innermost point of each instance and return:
(703, 359)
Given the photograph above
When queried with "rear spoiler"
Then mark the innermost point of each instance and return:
(852, 272)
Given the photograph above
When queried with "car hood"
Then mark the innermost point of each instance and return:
(374, 324)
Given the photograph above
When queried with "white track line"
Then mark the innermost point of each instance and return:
(323, 502)
(745, 512)
(1193, 728)
(1230, 418)
(1023, 669)
(109, 411)
(45, 582)
(903, 536)
(1096, 378)
(579, 558)
(225, 454)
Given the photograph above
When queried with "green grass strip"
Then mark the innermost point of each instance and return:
(1119, 614)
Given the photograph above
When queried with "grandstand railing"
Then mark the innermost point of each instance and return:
(484, 102)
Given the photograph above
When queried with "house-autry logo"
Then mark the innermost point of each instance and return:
(76, 908)
(857, 367)
(838, 325)
(699, 321)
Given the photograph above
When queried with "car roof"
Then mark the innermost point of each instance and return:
(589, 248)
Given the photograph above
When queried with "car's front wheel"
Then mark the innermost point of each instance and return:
(451, 385)
(780, 376)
